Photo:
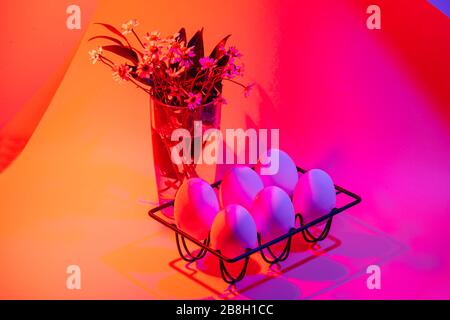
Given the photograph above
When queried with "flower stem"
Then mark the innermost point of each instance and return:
(103, 59)
(106, 62)
(236, 82)
(139, 86)
(137, 37)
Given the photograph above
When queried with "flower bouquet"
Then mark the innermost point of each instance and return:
(184, 86)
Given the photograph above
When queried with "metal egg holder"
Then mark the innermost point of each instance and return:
(263, 248)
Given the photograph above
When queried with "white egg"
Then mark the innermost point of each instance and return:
(233, 231)
(285, 175)
(240, 185)
(314, 195)
(273, 213)
(195, 207)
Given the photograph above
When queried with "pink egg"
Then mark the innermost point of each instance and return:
(314, 195)
(273, 213)
(240, 185)
(195, 207)
(285, 177)
(233, 231)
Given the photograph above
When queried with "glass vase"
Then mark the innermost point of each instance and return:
(164, 120)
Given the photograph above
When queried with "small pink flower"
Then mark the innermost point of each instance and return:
(129, 25)
(171, 38)
(173, 51)
(174, 73)
(233, 52)
(193, 100)
(121, 72)
(144, 69)
(220, 100)
(232, 70)
(153, 49)
(207, 63)
(173, 92)
(184, 56)
(175, 47)
(248, 88)
(95, 55)
(152, 36)
(221, 50)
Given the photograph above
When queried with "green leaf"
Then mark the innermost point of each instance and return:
(182, 36)
(124, 52)
(108, 38)
(216, 54)
(222, 62)
(113, 30)
(197, 42)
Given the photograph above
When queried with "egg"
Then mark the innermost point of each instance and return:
(233, 231)
(240, 185)
(285, 175)
(273, 213)
(314, 195)
(195, 207)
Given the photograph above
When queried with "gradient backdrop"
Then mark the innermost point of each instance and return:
(372, 107)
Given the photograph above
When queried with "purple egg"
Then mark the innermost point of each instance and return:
(314, 195)
(285, 177)
(195, 207)
(233, 231)
(273, 213)
(240, 185)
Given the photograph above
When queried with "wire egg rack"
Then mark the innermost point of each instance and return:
(265, 250)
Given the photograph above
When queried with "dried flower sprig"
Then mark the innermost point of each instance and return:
(171, 69)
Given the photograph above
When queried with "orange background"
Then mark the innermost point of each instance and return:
(74, 192)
